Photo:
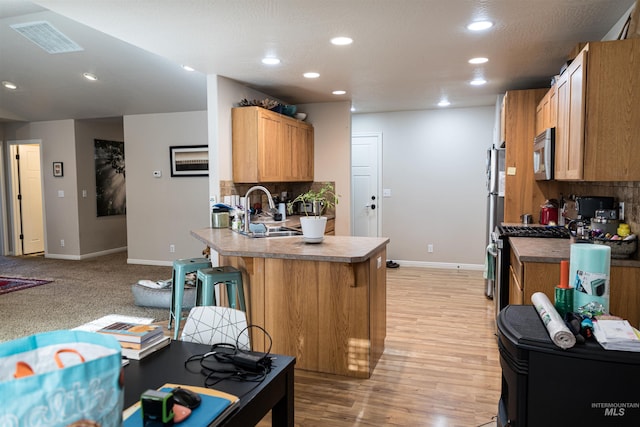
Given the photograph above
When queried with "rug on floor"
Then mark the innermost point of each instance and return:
(11, 284)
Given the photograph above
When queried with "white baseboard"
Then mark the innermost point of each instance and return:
(150, 262)
(85, 256)
(444, 265)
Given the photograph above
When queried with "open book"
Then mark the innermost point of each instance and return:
(215, 407)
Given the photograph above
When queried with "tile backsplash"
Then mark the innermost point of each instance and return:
(230, 188)
(627, 192)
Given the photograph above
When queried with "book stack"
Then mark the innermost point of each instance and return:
(137, 340)
(616, 335)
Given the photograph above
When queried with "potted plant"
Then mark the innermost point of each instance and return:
(313, 223)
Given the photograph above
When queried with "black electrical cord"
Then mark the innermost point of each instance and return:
(223, 353)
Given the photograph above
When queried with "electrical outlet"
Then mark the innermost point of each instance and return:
(429, 248)
(62, 243)
(172, 248)
(621, 204)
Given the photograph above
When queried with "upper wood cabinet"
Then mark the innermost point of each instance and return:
(547, 111)
(598, 129)
(270, 147)
(570, 123)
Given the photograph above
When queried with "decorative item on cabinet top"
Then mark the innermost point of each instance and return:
(272, 105)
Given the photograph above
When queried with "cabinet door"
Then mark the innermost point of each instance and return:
(302, 154)
(552, 110)
(270, 148)
(516, 295)
(570, 127)
(540, 113)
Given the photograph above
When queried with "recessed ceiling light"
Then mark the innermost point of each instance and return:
(339, 92)
(311, 75)
(9, 85)
(444, 103)
(188, 68)
(478, 82)
(270, 61)
(478, 60)
(480, 25)
(341, 41)
(90, 76)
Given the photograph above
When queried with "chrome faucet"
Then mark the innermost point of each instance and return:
(247, 202)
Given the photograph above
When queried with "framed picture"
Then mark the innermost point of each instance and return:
(189, 160)
(57, 169)
(111, 194)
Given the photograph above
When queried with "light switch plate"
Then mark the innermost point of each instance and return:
(386, 192)
(60, 193)
(157, 174)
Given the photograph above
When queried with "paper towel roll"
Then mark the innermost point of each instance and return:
(558, 331)
(589, 267)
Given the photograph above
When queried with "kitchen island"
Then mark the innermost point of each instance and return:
(323, 303)
(535, 267)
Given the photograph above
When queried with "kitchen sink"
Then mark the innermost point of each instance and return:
(273, 232)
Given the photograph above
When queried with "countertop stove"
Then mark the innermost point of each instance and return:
(556, 231)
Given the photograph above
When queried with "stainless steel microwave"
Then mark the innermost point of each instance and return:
(543, 154)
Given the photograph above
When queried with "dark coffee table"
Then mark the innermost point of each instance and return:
(274, 393)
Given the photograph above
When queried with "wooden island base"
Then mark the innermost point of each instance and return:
(329, 311)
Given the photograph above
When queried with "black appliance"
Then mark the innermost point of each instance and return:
(543, 385)
(503, 252)
(587, 206)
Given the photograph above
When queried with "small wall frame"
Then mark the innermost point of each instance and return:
(58, 170)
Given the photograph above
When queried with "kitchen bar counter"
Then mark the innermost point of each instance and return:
(333, 249)
(531, 249)
(323, 303)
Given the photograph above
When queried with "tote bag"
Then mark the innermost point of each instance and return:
(60, 378)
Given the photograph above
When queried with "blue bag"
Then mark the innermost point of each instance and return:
(58, 378)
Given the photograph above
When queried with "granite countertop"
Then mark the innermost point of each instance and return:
(333, 249)
(531, 249)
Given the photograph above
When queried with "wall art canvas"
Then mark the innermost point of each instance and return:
(110, 178)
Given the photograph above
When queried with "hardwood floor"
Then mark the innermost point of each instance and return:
(440, 367)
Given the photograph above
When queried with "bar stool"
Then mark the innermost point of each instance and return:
(182, 267)
(207, 278)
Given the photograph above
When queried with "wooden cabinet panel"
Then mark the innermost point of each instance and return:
(598, 119)
(570, 126)
(270, 147)
(516, 295)
(540, 277)
(624, 298)
(522, 193)
(331, 316)
(547, 111)
(271, 163)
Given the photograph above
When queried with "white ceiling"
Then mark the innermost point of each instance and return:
(406, 54)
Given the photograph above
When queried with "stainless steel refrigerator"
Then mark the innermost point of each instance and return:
(495, 209)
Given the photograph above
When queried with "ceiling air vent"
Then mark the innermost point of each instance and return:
(47, 37)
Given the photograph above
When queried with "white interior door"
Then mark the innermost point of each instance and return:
(366, 158)
(29, 219)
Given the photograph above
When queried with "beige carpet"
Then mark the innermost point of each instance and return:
(81, 291)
